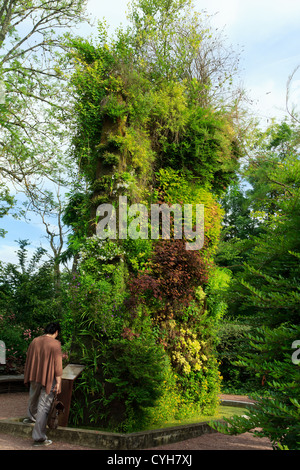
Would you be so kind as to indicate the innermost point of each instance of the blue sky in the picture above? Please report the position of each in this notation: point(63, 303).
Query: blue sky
point(268, 33)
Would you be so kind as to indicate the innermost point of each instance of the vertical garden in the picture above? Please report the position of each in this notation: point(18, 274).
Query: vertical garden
point(143, 314)
point(149, 114)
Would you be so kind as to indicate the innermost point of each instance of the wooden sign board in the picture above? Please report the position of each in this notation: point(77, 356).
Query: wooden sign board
point(70, 373)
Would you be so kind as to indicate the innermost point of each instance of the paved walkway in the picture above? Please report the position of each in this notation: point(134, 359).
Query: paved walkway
point(14, 405)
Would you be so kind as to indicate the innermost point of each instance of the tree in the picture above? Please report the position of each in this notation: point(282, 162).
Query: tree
point(32, 133)
point(276, 414)
point(290, 107)
point(49, 206)
point(7, 202)
point(269, 278)
point(28, 301)
point(180, 44)
point(141, 131)
point(267, 288)
point(237, 221)
point(27, 291)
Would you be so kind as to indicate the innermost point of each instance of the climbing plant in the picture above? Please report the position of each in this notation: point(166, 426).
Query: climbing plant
point(142, 131)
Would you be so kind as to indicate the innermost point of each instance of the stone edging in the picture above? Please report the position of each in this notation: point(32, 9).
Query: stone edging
point(117, 441)
point(112, 441)
point(237, 403)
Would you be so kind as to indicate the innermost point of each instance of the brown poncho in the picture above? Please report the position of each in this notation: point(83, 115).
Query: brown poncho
point(43, 361)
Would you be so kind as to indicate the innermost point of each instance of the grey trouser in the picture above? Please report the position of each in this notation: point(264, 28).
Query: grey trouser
point(38, 409)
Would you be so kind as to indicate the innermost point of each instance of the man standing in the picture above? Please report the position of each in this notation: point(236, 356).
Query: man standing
point(43, 370)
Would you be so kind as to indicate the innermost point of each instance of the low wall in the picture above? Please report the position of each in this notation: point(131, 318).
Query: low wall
point(112, 441)
point(12, 383)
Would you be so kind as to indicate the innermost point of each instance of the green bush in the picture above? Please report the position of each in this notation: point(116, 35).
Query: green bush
point(27, 290)
point(125, 366)
point(135, 369)
point(277, 412)
point(124, 374)
point(232, 344)
point(16, 339)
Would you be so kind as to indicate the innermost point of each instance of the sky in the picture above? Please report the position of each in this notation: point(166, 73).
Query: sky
point(267, 33)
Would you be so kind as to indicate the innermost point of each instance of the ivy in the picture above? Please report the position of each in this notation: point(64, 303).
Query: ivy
point(142, 131)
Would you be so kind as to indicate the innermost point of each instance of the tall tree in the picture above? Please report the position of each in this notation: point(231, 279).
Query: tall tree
point(33, 98)
point(266, 288)
point(49, 207)
point(142, 132)
point(180, 43)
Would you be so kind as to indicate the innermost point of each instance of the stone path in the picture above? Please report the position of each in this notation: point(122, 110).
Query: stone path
point(14, 405)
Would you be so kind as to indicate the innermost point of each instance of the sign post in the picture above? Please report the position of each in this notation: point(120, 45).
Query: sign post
point(70, 373)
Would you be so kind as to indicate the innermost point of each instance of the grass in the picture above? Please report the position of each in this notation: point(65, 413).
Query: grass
point(222, 412)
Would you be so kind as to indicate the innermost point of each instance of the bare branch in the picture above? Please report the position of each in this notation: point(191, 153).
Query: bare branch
point(288, 90)
point(7, 10)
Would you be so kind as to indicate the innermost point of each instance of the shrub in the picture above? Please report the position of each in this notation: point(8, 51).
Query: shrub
point(27, 290)
point(172, 278)
point(232, 344)
point(135, 369)
point(123, 377)
point(16, 339)
point(277, 413)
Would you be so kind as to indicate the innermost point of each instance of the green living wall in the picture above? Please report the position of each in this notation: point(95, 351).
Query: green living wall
point(143, 313)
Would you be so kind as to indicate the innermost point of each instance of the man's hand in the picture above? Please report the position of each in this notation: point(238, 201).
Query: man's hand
point(57, 387)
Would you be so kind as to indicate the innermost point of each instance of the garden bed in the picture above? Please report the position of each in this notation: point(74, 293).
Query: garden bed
point(225, 410)
point(97, 439)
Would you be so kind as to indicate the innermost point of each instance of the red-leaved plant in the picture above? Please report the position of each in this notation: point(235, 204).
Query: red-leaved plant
point(172, 278)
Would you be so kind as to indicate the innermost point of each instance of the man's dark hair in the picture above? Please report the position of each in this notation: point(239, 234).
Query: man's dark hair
point(52, 328)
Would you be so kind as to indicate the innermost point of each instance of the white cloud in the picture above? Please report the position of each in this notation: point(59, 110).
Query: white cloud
point(268, 101)
point(255, 20)
point(114, 11)
point(8, 253)
point(225, 13)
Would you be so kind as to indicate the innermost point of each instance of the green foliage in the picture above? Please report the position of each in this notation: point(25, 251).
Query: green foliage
point(205, 149)
point(27, 291)
point(129, 119)
point(33, 113)
point(265, 289)
point(137, 254)
point(172, 277)
point(266, 282)
point(97, 291)
point(28, 301)
point(237, 221)
point(135, 369)
point(187, 396)
point(142, 130)
point(277, 411)
point(232, 344)
point(180, 44)
point(216, 289)
point(117, 394)
point(16, 339)
point(124, 366)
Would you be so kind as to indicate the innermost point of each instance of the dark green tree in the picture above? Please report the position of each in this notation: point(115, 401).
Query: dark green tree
point(268, 290)
point(27, 291)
